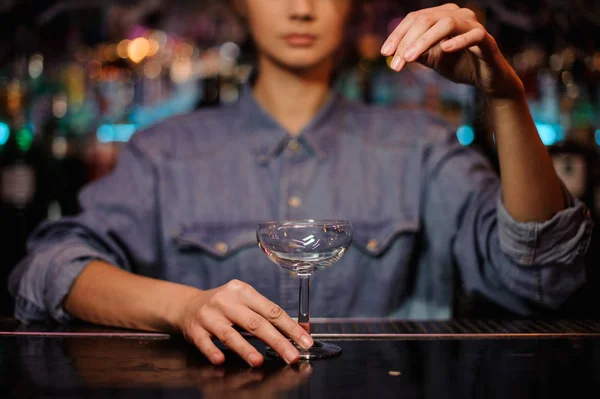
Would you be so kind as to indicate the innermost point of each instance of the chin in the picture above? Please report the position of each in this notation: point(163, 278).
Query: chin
point(302, 61)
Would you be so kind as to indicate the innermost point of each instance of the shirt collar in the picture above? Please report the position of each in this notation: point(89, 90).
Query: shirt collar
point(269, 138)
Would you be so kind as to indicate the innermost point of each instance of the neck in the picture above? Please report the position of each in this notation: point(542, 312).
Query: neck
point(292, 98)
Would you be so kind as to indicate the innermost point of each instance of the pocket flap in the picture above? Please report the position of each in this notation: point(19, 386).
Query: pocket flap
point(218, 240)
point(376, 238)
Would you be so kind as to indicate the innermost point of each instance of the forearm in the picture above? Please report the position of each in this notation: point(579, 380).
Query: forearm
point(104, 294)
point(531, 189)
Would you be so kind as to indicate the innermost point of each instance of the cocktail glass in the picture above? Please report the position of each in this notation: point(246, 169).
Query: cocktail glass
point(304, 246)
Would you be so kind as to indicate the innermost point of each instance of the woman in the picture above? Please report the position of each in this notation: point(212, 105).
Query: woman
point(167, 242)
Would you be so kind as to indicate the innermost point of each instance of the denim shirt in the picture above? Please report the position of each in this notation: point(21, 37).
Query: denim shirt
point(186, 195)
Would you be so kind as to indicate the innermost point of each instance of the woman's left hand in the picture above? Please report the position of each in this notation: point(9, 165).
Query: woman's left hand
point(451, 40)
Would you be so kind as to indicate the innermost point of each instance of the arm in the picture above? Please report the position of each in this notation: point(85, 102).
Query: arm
point(108, 295)
point(105, 294)
point(103, 267)
point(450, 40)
point(526, 267)
point(118, 226)
point(523, 250)
point(531, 190)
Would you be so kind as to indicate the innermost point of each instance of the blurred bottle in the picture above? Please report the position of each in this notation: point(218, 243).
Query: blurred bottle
point(23, 202)
point(65, 170)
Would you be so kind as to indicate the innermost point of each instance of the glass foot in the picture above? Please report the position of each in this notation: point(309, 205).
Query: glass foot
point(320, 350)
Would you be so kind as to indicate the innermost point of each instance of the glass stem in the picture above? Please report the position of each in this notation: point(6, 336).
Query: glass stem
point(304, 302)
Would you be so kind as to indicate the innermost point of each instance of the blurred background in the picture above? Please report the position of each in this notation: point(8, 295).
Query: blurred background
point(79, 77)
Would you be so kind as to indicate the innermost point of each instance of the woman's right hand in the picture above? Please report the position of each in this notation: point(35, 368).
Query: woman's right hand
point(213, 313)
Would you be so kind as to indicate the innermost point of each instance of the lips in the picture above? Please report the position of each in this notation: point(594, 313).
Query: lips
point(300, 39)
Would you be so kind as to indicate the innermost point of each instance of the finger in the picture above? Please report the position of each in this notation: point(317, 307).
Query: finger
point(391, 44)
point(261, 328)
point(277, 317)
point(438, 32)
point(443, 7)
point(418, 28)
point(202, 340)
point(234, 341)
point(422, 24)
point(477, 40)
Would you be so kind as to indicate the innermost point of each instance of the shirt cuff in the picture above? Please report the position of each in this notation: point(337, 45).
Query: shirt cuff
point(65, 269)
point(560, 240)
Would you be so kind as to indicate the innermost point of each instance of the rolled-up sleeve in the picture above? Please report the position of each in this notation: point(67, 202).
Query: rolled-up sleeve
point(562, 239)
point(524, 267)
point(39, 299)
point(117, 225)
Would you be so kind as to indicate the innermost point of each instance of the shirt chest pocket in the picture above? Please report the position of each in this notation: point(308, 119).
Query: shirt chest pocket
point(373, 276)
point(219, 241)
point(208, 255)
point(369, 280)
point(375, 239)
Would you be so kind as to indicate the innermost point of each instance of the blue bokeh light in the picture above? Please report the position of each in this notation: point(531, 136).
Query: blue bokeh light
point(597, 136)
point(4, 133)
point(465, 135)
point(550, 134)
point(115, 133)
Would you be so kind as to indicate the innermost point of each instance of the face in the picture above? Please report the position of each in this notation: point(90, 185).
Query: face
point(297, 34)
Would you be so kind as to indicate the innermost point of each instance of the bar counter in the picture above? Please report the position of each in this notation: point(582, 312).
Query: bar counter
point(380, 359)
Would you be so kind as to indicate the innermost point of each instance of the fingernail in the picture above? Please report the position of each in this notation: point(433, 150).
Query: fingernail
point(410, 54)
point(215, 359)
point(387, 48)
point(290, 355)
point(254, 359)
point(396, 62)
point(306, 341)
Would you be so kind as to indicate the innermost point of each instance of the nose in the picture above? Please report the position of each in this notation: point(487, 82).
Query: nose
point(301, 10)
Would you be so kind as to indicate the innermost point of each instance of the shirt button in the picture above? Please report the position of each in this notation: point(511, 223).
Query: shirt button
point(295, 202)
point(293, 146)
point(221, 247)
point(372, 245)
